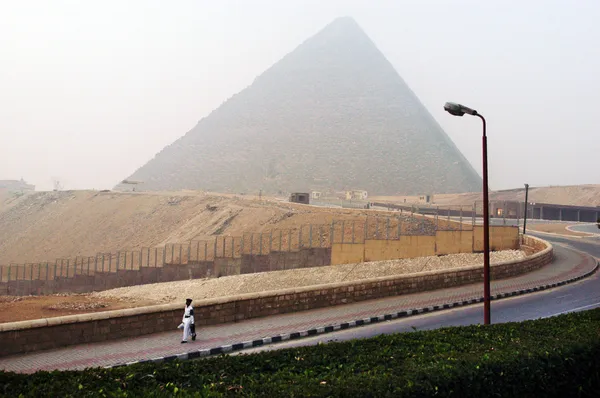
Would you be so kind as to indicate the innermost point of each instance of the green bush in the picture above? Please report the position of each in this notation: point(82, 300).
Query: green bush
point(555, 357)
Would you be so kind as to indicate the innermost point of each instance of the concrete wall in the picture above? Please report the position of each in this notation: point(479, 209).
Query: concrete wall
point(410, 246)
point(407, 246)
point(27, 336)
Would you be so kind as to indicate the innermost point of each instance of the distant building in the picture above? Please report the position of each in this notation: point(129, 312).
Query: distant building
point(16, 186)
point(421, 199)
point(300, 197)
point(356, 195)
point(315, 195)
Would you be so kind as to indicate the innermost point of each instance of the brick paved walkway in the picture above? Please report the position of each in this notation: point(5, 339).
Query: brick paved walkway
point(567, 264)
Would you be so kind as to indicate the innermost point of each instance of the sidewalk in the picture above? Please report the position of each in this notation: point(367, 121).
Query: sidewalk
point(568, 265)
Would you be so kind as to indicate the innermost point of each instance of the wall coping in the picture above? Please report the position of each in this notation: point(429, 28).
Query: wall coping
point(96, 316)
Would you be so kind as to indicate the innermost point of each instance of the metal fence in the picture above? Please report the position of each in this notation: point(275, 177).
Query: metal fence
point(250, 243)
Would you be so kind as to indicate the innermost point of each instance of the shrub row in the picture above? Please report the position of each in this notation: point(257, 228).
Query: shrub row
point(555, 357)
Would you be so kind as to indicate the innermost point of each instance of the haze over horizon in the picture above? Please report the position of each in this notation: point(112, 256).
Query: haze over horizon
point(91, 91)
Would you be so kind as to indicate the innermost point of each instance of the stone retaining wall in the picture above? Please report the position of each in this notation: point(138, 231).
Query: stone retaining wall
point(27, 336)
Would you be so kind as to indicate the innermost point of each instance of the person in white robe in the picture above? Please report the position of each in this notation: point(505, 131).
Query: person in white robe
point(189, 327)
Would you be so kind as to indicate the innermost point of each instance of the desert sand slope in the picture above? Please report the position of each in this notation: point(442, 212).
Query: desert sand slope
point(43, 226)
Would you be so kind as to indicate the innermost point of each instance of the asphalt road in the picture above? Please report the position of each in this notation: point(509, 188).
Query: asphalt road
point(578, 296)
point(589, 228)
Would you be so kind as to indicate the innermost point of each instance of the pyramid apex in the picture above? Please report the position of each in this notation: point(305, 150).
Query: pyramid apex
point(346, 23)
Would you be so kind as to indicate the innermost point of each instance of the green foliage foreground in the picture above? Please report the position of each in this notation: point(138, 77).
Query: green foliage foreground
point(556, 357)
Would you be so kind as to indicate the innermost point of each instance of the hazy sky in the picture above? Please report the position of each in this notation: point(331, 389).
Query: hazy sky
point(91, 90)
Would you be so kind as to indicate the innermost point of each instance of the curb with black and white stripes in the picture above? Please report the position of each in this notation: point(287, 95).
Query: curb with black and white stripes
point(346, 325)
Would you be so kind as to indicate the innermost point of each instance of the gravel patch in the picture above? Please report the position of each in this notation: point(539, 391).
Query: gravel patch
point(169, 292)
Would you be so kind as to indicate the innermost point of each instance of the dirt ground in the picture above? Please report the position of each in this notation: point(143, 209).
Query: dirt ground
point(555, 229)
point(16, 308)
point(45, 226)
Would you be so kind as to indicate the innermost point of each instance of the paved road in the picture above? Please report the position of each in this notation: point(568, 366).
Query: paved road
point(589, 228)
point(578, 296)
point(568, 264)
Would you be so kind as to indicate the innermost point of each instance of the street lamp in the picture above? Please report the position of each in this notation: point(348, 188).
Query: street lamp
point(459, 110)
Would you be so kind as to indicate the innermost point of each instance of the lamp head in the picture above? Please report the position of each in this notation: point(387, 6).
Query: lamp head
point(458, 109)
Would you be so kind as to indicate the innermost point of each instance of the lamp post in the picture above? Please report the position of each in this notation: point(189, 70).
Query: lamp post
point(526, 201)
point(460, 110)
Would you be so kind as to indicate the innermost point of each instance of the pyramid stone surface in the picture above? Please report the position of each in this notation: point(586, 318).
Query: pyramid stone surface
point(332, 114)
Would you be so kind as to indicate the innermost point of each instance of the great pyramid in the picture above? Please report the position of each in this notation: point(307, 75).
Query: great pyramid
point(332, 114)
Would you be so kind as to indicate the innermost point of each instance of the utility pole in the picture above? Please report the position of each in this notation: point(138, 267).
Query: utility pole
point(525, 215)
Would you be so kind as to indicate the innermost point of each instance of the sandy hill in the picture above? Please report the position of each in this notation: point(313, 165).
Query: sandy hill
point(576, 195)
point(43, 226)
point(332, 114)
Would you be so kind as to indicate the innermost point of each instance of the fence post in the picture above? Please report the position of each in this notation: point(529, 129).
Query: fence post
point(260, 244)
point(353, 229)
point(155, 256)
point(31, 271)
point(310, 236)
point(125, 261)
point(270, 241)
point(189, 254)
point(280, 238)
point(224, 244)
point(109, 262)
point(118, 259)
point(387, 229)
point(366, 229)
point(233, 247)
point(300, 237)
point(331, 232)
point(164, 262)
point(205, 251)
point(343, 230)
point(180, 254)
point(399, 227)
point(68, 266)
point(320, 235)
point(39, 271)
point(376, 228)
point(461, 217)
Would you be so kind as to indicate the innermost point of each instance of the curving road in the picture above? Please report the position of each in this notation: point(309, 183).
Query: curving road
point(587, 228)
point(578, 296)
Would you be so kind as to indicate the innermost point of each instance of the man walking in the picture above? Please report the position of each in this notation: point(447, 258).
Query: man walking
point(189, 328)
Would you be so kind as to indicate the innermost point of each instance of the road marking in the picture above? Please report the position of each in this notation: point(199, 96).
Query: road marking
point(566, 295)
point(574, 309)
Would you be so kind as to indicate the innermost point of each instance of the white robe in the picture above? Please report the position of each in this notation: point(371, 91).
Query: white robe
point(187, 322)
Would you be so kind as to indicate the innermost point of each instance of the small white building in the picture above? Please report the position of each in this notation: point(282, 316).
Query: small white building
point(356, 195)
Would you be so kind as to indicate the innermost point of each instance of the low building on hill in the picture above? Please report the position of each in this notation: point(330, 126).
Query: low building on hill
point(356, 195)
point(300, 197)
